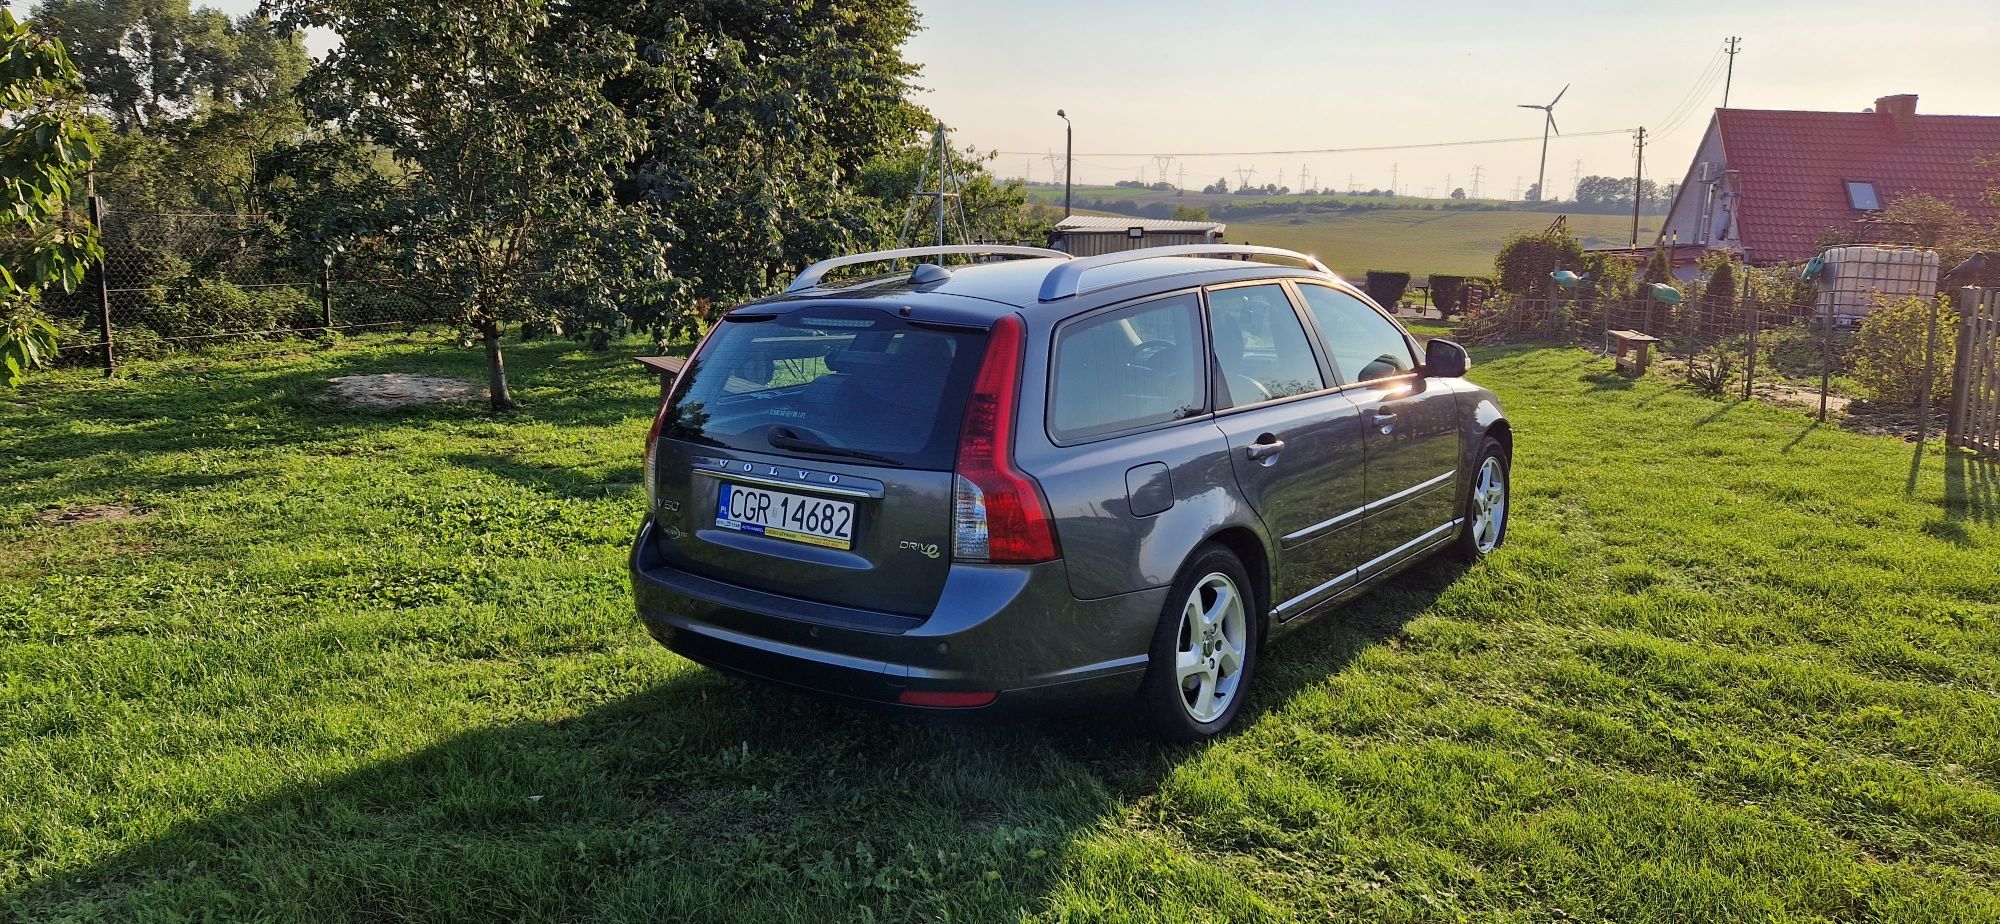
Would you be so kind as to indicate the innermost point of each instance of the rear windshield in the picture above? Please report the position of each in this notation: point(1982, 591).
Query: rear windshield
point(833, 382)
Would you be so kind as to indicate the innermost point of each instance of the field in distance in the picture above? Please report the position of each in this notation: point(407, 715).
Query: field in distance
point(1397, 234)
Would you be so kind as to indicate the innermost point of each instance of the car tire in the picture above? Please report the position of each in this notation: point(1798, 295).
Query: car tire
point(1487, 502)
point(1204, 651)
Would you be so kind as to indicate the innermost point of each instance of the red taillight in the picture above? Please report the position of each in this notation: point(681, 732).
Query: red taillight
point(946, 699)
point(998, 512)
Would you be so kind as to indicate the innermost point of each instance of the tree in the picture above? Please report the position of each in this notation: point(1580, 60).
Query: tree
point(1524, 263)
point(760, 118)
point(1534, 193)
point(1927, 221)
point(46, 147)
point(1458, 192)
point(144, 61)
point(1187, 213)
point(506, 209)
point(1217, 188)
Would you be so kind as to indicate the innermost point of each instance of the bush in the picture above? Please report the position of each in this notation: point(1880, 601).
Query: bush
point(1888, 351)
point(1526, 260)
point(211, 308)
point(1387, 288)
point(1446, 293)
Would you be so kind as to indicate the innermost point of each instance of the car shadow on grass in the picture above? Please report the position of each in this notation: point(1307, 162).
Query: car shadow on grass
point(703, 797)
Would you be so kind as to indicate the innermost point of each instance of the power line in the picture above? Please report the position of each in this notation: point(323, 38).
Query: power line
point(1357, 150)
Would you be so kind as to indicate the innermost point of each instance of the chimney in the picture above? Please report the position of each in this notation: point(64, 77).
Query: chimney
point(1901, 112)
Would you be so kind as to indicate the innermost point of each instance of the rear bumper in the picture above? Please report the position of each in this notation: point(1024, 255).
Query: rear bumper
point(1014, 630)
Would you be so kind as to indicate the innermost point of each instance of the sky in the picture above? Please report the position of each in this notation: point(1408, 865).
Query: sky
point(1147, 78)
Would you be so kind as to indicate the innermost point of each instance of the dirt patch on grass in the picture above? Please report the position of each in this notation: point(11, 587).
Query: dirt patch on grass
point(401, 389)
point(90, 513)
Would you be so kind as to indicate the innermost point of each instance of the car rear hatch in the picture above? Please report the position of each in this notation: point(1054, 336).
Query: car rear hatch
point(808, 451)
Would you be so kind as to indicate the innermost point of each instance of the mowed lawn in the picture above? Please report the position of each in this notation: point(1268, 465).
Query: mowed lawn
point(350, 664)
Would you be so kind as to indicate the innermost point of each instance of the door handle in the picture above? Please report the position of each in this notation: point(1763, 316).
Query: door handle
point(1384, 421)
point(1264, 448)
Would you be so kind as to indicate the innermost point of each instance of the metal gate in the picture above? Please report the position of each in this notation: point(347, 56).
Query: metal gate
point(1975, 380)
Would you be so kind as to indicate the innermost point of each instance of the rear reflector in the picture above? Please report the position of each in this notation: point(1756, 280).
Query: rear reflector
point(947, 699)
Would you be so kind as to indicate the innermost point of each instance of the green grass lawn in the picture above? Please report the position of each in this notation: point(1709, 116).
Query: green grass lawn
point(381, 664)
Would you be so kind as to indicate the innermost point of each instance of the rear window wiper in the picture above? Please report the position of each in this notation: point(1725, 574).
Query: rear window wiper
point(785, 438)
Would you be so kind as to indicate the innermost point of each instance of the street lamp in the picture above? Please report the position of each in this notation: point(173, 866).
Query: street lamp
point(1069, 141)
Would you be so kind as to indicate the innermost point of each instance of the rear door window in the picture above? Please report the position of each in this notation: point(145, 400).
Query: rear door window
point(861, 383)
point(1127, 368)
point(1364, 345)
point(1261, 351)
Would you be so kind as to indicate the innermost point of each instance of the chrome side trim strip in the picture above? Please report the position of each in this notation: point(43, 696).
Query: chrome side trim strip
point(1324, 525)
point(1370, 507)
point(1370, 565)
point(1404, 494)
point(788, 485)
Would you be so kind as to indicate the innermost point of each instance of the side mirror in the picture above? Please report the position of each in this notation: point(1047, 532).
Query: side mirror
point(1444, 359)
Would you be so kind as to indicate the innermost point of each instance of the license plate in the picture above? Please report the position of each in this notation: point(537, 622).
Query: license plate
point(784, 515)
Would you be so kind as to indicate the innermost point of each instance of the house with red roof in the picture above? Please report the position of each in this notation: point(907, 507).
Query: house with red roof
point(1771, 184)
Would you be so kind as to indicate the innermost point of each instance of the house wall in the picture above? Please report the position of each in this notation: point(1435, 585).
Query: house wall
point(1685, 221)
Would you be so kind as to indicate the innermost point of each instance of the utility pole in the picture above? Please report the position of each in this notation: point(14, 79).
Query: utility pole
point(1638, 185)
point(1731, 49)
point(1181, 184)
point(1069, 154)
point(1477, 172)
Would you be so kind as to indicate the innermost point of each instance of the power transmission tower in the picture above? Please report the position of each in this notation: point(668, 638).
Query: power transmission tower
point(1517, 188)
point(943, 194)
point(1350, 184)
point(1575, 179)
point(1160, 163)
point(1305, 181)
point(1395, 170)
point(1181, 183)
point(1477, 173)
point(1731, 49)
point(1428, 190)
point(1055, 174)
point(1638, 184)
point(1243, 175)
point(1447, 184)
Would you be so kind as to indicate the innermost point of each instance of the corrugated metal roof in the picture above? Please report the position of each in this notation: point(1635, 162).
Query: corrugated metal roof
point(1792, 167)
point(1122, 223)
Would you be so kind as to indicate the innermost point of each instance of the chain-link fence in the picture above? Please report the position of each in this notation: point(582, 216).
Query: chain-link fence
point(176, 281)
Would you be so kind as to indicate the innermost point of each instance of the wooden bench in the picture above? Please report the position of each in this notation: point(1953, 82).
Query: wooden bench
point(1634, 350)
point(666, 367)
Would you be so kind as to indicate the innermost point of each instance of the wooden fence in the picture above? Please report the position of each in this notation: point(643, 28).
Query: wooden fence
point(1975, 381)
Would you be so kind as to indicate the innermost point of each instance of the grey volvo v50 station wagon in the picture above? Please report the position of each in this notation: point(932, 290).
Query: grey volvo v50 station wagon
point(1051, 479)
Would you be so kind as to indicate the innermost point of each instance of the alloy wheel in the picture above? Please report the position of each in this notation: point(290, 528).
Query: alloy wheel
point(1213, 645)
point(1489, 504)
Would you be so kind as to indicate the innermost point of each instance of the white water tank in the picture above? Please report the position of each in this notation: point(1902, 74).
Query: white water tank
point(1852, 278)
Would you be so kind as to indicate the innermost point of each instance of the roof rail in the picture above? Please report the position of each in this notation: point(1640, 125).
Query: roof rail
point(810, 279)
point(1066, 279)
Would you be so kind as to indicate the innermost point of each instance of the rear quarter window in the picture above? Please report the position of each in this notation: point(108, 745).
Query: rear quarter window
point(850, 378)
point(1126, 368)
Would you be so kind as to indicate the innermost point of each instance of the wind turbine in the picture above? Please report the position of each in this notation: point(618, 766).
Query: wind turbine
point(1548, 125)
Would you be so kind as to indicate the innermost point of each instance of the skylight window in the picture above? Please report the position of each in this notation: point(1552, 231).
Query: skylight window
point(1861, 195)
